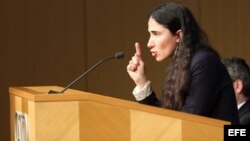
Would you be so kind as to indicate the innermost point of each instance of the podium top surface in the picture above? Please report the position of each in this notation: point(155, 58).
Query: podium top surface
point(40, 94)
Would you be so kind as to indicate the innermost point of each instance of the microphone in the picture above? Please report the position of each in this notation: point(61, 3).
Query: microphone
point(118, 55)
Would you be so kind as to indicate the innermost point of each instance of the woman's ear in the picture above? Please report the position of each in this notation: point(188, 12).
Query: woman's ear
point(179, 35)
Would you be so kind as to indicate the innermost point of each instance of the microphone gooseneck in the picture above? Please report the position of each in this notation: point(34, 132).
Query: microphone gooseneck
point(117, 55)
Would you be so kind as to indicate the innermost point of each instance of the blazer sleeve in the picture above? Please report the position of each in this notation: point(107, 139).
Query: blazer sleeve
point(151, 100)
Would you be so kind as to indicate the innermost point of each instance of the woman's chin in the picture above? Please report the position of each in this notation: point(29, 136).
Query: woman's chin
point(158, 59)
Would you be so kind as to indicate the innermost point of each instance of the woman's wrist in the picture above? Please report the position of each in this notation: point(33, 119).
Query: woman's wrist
point(142, 93)
point(142, 83)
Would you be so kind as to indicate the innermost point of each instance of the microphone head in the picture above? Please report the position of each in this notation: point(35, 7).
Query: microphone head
point(119, 55)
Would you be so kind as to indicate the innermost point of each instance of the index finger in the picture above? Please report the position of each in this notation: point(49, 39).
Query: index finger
point(137, 49)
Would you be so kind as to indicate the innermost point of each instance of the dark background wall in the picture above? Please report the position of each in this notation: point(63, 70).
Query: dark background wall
point(51, 42)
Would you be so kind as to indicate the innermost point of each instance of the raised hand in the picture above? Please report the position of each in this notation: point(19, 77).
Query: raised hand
point(136, 68)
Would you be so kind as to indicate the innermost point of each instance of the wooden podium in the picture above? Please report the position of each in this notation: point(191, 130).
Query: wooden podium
point(82, 116)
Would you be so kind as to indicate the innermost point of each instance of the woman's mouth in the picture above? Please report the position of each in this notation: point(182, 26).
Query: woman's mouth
point(153, 54)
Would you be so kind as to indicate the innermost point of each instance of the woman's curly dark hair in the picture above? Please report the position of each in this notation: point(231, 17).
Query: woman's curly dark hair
point(176, 17)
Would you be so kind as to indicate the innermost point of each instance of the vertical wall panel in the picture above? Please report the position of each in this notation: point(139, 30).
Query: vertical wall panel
point(41, 43)
point(227, 24)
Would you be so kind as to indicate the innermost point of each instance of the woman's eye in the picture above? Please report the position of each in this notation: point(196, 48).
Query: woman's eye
point(156, 33)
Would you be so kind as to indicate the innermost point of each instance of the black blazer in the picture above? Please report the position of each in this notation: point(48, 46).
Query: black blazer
point(244, 113)
point(211, 91)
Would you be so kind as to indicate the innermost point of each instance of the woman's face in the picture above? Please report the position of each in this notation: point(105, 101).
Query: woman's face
point(162, 43)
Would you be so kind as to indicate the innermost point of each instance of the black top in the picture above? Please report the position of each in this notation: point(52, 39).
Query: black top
point(244, 113)
point(211, 92)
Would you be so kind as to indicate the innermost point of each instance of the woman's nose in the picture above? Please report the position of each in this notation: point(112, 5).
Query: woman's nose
point(150, 43)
